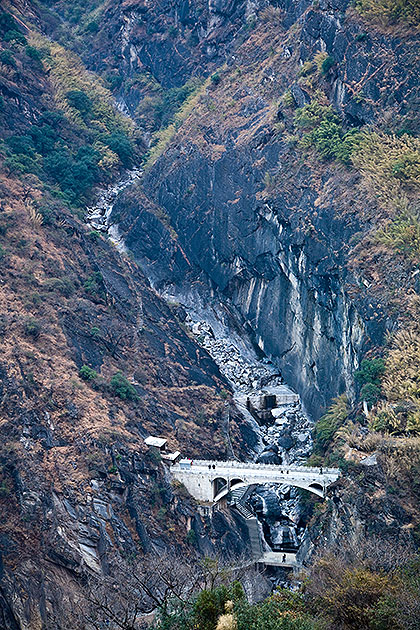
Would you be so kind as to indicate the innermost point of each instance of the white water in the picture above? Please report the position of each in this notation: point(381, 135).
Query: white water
point(98, 217)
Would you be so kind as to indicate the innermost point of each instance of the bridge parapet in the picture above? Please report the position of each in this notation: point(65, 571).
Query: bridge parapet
point(252, 465)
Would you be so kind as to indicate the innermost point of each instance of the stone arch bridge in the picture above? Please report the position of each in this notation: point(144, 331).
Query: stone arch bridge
point(210, 481)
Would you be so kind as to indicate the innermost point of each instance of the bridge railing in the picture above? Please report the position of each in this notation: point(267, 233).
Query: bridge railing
point(252, 465)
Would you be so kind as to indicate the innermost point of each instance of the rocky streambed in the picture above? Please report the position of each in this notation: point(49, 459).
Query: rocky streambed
point(98, 217)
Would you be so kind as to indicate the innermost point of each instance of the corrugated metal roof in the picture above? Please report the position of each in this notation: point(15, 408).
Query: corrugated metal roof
point(155, 441)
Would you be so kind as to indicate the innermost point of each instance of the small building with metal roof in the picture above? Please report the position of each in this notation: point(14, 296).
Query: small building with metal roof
point(156, 442)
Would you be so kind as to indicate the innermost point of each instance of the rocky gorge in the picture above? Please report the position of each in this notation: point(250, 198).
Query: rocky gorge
point(208, 233)
point(284, 437)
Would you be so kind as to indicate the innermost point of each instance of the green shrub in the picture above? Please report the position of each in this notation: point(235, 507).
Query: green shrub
point(325, 132)
point(21, 145)
point(327, 64)
point(216, 78)
point(80, 101)
point(370, 393)
point(92, 27)
point(95, 332)
point(281, 611)
point(64, 286)
point(331, 421)
point(52, 118)
point(208, 606)
point(15, 36)
point(94, 285)
point(7, 58)
point(119, 143)
point(370, 371)
point(14, 165)
point(75, 174)
point(114, 81)
point(87, 373)
point(7, 22)
point(288, 99)
point(122, 387)
point(311, 115)
point(33, 53)
point(32, 327)
point(95, 236)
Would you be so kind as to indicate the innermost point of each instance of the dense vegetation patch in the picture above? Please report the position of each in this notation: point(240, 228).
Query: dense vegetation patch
point(82, 141)
point(327, 426)
point(323, 130)
point(372, 588)
point(391, 11)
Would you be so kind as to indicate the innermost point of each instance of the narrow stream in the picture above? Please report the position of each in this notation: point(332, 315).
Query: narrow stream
point(273, 411)
point(98, 217)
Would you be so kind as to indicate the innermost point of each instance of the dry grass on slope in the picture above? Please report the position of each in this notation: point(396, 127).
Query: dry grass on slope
point(45, 272)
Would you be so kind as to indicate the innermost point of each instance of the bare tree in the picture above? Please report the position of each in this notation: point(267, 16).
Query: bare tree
point(125, 600)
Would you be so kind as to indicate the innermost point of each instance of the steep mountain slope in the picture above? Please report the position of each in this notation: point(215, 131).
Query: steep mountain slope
point(92, 360)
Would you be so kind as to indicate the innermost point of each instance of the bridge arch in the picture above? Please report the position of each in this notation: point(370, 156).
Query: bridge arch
point(226, 489)
point(316, 486)
point(222, 490)
point(219, 484)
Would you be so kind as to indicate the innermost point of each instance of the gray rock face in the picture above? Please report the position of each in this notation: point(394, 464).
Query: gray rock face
point(280, 260)
point(287, 285)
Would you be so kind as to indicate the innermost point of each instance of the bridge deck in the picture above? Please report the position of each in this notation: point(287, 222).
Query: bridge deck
point(260, 473)
point(279, 559)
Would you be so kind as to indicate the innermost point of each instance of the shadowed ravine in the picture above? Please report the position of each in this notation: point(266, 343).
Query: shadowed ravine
point(285, 438)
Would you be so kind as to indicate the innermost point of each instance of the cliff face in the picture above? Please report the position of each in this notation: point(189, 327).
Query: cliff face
point(373, 509)
point(287, 285)
point(272, 229)
point(142, 45)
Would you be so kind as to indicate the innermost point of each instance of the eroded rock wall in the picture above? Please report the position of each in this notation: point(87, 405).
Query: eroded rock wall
point(232, 202)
